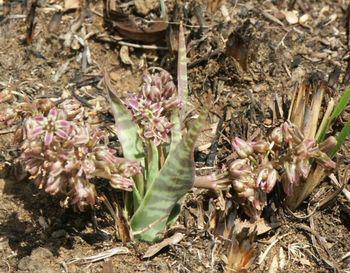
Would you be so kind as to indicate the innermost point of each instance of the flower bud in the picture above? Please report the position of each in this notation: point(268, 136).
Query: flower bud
point(239, 168)
point(146, 78)
point(169, 89)
point(329, 144)
point(267, 179)
point(277, 136)
point(304, 148)
point(303, 167)
point(260, 146)
point(157, 82)
point(291, 172)
point(324, 160)
point(243, 148)
point(292, 133)
point(165, 76)
point(238, 185)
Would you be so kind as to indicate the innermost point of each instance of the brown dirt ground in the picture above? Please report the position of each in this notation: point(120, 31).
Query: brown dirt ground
point(37, 235)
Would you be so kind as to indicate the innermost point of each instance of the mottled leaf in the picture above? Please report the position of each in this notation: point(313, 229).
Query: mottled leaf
point(175, 179)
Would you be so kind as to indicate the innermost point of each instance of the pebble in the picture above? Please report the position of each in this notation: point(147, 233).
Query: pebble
point(58, 233)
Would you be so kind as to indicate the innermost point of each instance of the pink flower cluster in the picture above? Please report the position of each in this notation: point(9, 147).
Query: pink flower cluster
point(153, 106)
point(286, 157)
point(62, 154)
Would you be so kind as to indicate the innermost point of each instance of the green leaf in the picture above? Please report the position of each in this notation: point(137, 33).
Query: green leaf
point(152, 164)
point(176, 130)
point(175, 179)
point(341, 138)
point(339, 108)
point(127, 130)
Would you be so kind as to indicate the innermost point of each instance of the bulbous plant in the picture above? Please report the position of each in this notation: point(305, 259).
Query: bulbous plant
point(286, 157)
point(297, 153)
point(149, 130)
point(62, 154)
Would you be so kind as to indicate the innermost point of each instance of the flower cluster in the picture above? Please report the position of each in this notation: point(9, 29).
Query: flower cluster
point(62, 154)
point(287, 157)
point(153, 106)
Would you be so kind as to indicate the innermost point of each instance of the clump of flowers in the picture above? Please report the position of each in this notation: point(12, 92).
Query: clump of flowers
point(152, 107)
point(287, 156)
point(62, 154)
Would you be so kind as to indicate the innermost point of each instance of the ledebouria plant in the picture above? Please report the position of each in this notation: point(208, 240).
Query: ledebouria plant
point(149, 129)
point(286, 156)
point(63, 154)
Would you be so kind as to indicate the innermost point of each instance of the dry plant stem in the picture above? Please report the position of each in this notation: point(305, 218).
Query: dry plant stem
point(306, 117)
point(305, 189)
point(312, 114)
point(297, 109)
point(326, 117)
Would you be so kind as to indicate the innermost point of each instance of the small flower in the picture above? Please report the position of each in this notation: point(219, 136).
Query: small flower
point(303, 167)
point(53, 124)
point(269, 182)
point(291, 172)
point(329, 144)
point(120, 182)
point(277, 136)
point(82, 194)
point(243, 148)
point(260, 146)
point(239, 168)
point(291, 134)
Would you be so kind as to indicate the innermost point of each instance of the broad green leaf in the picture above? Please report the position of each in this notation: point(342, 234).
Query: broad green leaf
point(127, 130)
point(341, 138)
point(175, 179)
point(176, 130)
point(339, 108)
point(152, 163)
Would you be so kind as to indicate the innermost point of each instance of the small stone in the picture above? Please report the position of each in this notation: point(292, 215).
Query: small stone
point(304, 18)
point(143, 7)
point(42, 253)
point(114, 76)
point(291, 17)
point(24, 263)
point(58, 233)
point(39, 261)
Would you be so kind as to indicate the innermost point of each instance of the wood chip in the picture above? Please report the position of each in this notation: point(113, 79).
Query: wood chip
point(154, 249)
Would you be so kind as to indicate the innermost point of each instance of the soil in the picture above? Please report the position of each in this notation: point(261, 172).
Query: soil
point(38, 235)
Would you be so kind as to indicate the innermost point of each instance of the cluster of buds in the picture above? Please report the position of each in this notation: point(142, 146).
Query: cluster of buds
point(62, 153)
point(286, 157)
point(295, 154)
point(152, 107)
point(252, 175)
